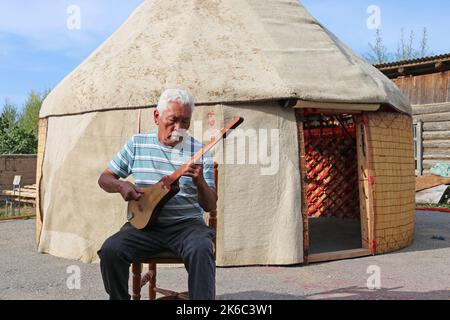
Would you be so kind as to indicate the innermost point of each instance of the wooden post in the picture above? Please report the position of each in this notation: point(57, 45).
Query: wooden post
point(419, 150)
point(368, 181)
point(364, 203)
point(212, 219)
point(138, 124)
point(136, 270)
point(303, 184)
point(42, 138)
point(152, 282)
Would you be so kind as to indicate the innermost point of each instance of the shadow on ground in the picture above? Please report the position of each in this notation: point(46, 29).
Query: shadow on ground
point(349, 293)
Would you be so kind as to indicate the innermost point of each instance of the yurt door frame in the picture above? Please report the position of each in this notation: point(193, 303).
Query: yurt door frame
point(365, 182)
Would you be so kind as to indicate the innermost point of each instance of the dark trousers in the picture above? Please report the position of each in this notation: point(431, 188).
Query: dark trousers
point(191, 240)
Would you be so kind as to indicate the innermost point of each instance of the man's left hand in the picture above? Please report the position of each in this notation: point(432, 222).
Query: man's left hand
point(195, 171)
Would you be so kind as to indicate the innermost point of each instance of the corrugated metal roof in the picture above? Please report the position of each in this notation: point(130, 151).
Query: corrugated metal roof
point(423, 60)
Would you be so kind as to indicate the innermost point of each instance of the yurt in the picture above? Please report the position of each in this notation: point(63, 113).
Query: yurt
point(328, 170)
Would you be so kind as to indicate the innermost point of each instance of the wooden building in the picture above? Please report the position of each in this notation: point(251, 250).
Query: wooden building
point(426, 82)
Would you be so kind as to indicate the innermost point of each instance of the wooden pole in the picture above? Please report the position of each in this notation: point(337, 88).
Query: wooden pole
point(303, 184)
point(42, 138)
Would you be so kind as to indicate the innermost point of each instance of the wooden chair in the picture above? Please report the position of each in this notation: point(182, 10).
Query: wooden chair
point(166, 257)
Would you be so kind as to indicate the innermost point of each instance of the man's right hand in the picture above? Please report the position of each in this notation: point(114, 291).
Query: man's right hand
point(129, 191)
point(111, 183)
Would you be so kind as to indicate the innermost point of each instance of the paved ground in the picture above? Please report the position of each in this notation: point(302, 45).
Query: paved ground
point(418, 272)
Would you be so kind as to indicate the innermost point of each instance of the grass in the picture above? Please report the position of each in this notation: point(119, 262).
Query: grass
point(23, 210)
point(431, 205)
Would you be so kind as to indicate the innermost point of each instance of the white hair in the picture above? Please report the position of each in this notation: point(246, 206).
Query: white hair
point(175, 95)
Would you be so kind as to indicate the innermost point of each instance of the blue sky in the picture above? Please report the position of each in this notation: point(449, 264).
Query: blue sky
point(37, 49)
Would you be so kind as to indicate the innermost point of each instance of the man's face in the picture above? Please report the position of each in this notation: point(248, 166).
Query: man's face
point(174, 118)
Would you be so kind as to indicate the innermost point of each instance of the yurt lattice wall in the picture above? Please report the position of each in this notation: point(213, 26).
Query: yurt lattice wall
point(331, 166)
point(391, 149)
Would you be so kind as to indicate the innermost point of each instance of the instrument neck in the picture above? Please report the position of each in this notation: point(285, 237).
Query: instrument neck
point(222, 134)
point(183, 168)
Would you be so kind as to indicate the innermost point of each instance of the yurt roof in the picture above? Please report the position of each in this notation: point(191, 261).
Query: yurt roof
point(222, 51)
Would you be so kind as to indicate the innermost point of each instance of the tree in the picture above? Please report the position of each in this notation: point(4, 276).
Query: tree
point(29, 120)
point(424, 48)
point(9, 116)
point(379, 53)
point(17, 141)
point(405, 48)
point(19, 132)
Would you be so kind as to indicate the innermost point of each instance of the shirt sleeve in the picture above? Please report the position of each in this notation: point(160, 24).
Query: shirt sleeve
point(122, 164)
point(208, 170)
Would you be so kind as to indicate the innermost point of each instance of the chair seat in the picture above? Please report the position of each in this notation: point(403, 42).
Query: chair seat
point(163, 256)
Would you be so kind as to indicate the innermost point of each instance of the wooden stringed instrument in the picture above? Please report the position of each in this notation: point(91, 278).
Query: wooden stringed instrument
point(143, 212)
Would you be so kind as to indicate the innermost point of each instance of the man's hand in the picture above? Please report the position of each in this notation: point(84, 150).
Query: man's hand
point(129, 191)
point(207, 197)
point(111, 183)
point(195, 171)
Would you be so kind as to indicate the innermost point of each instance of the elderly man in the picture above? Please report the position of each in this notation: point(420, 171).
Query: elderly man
point(180, 226)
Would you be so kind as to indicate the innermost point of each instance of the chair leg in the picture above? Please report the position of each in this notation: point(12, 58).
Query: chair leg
point(137, 270)
point(152, 282)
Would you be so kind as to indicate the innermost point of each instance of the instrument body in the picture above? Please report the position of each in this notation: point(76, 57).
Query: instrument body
point(142, 213)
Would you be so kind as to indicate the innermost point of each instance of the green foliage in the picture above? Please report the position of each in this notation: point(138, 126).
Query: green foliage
point(19, 132)
point(406, 49)
point(432, 205)
point(9, 116)
point(17, 141)
point(30, 116)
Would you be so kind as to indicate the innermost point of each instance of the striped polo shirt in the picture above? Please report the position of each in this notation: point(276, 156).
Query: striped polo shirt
point(148, 161)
